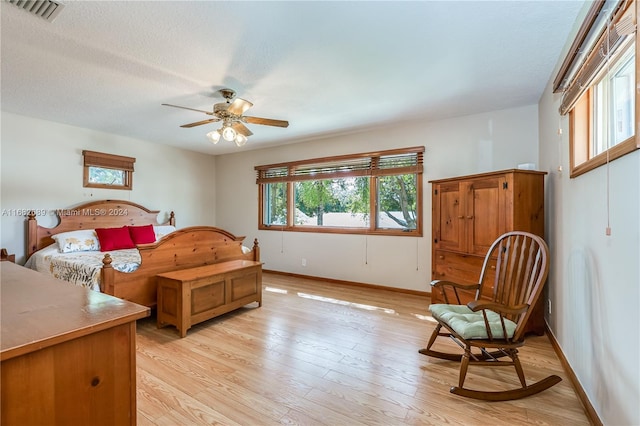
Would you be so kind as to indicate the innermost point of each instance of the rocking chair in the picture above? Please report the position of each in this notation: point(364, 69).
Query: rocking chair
point(489, 329)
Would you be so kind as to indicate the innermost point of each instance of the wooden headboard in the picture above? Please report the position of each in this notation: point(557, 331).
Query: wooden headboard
point(96, 214)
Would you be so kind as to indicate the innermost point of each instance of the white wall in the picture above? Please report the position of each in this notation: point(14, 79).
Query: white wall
point(465, 145)
point(594, 283)
point(42, 169)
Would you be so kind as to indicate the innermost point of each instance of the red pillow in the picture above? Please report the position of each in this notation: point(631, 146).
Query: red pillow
point(114, 238)
point(142, 234)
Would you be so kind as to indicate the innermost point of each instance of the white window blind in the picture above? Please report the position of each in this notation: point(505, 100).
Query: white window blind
point(609, 24)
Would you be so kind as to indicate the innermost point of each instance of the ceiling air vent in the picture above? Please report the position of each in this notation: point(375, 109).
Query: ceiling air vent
point(45, 9)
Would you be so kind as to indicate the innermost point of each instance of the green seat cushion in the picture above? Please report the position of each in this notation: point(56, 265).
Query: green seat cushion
point(470, 325)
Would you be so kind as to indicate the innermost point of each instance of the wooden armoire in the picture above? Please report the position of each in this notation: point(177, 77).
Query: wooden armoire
point(470, 212)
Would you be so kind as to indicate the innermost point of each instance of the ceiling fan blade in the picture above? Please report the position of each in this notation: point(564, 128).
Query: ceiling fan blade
point(191, 109)
point(200, 123)
point(241, 128)
point(266, 121)
point(239, 106)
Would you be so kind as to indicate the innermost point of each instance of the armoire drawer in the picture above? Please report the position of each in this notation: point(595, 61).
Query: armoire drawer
point(462, 269)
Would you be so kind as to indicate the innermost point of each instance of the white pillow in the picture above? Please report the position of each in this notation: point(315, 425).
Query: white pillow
point(162, 230)
point(81, 240)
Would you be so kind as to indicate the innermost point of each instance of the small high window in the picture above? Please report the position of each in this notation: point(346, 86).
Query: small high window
point(110, 171)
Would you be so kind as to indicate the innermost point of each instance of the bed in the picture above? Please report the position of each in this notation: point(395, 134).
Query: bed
point(129, 274)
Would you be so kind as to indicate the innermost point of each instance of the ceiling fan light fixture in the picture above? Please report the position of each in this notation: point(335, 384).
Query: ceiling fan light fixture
point(214, 136)
point(229, 134)
point(230, 114)
point(241, 139)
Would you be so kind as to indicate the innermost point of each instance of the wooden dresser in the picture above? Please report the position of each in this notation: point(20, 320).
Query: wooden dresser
point(470, 212)
point(68, 353)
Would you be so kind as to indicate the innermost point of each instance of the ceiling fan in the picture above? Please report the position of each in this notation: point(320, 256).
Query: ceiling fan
point(231, 115)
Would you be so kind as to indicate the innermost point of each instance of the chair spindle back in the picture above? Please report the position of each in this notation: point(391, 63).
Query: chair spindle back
point(521, 270)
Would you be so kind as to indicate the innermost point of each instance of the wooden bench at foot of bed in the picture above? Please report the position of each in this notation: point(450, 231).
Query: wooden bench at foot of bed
point(190, 296)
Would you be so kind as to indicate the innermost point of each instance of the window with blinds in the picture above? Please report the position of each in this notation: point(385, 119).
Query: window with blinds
point(376, 193)
point(598, 81)
point(109, 171)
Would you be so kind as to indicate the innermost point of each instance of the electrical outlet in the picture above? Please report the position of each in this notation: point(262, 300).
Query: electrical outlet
point(304, 262)
point(549, 306)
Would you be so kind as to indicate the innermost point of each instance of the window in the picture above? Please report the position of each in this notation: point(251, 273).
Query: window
point(613, 104)
point(107, 170)
point(370, 193)
point(600, 87)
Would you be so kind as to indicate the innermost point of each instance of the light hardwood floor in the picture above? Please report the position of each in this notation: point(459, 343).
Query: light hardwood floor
point(318, 353)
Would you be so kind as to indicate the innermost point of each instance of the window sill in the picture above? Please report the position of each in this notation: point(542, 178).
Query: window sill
point(615, 152)
point(356, 231)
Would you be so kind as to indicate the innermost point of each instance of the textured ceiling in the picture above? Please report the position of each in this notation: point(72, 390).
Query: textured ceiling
point(326, 67)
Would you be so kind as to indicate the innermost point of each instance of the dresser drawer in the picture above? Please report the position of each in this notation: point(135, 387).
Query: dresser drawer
point(462, 269)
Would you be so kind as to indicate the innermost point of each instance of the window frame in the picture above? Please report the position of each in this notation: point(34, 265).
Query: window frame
point(581, 138)
point(286, 173)
point(577, 80)
point(107, 161)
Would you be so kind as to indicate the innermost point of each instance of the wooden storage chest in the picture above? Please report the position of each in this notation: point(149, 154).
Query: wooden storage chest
point(189, 296)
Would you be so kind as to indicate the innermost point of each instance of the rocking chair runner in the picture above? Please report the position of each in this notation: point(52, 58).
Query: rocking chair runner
point(489, 329)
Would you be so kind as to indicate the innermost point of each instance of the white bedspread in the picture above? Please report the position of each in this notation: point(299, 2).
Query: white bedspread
point(81, 268)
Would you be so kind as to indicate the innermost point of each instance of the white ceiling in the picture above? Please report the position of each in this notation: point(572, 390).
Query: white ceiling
point(326, 67)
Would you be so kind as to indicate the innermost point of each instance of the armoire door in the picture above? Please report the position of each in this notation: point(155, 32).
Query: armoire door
point(485, 212)
point(448, 217)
